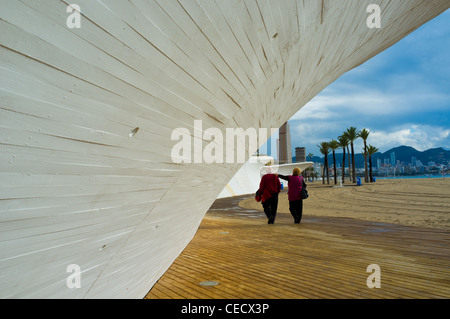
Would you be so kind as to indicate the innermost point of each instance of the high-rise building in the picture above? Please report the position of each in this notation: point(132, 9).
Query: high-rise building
point(285, 152)
point(392, 159)
point(288, 143)
point(300, 154)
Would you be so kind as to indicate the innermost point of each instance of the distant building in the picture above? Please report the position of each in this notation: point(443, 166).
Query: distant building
point(300, 154)
point(392, 159)
point(419, 164)
point(284, 146)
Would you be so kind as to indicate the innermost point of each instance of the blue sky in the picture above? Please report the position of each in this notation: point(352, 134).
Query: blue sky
point(401, 95)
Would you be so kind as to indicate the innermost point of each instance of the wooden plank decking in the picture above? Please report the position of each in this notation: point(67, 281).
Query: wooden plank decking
point(320, 258)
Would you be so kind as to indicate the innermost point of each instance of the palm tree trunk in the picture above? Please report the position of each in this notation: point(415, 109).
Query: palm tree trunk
point(334, 168)
point(343, 166)
point(323, 173)
point(366, 178)
point(328, 172)
point(370, 172)
point(353, 163)
point(349, 165)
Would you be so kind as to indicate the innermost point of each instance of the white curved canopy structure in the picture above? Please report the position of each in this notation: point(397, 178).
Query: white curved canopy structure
point(246, 180)
point(87, 116)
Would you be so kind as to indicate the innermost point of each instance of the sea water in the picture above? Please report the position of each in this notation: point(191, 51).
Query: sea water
point(413, 176)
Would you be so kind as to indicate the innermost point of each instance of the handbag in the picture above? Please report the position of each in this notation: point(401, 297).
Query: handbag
point(304, 193)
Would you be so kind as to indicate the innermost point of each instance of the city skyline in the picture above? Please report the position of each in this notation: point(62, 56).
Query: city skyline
point(402, 160)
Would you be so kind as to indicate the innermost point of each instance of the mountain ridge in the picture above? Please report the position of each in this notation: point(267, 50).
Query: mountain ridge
point(403, 153)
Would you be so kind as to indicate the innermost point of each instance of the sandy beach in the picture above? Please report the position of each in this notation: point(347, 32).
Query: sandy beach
point(413, 202)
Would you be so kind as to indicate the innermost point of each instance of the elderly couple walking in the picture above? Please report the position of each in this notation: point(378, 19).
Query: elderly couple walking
point(270, 187)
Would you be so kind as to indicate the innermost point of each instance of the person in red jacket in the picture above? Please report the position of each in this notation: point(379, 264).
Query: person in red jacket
point(269, 188)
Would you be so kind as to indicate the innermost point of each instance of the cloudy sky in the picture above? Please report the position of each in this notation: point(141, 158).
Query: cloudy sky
point(402, 96)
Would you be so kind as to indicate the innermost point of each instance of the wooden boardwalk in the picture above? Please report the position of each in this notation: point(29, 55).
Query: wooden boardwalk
point(322, 257)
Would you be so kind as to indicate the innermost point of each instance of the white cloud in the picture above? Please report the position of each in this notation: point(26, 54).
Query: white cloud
point(313, 133)
point(421, 137)
point(360, 101)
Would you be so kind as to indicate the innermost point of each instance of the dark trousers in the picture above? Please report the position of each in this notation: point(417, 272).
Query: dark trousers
point(296, 209)
point(270, 207)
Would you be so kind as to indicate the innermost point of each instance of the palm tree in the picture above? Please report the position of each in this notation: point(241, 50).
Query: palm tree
point(345, 135)
point(324, 148)
point(310, 155)
point(371, 150)
point(364, 153)
point(343, 142)
point(352, 135)
point(364, 134)
point(334, 145)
